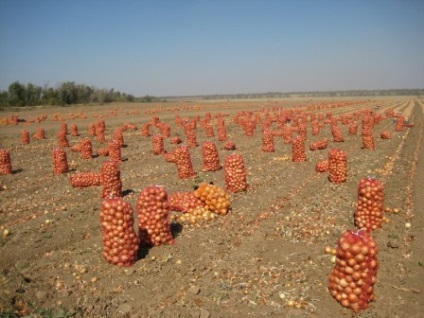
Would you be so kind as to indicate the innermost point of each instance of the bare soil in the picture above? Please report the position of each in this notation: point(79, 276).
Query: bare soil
point(264, 259)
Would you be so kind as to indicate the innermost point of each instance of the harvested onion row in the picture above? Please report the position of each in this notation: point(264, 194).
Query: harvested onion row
point(60, 162)
point(370, 204)
point(153, 217)
point(120, 241)
point(235, 173)
point(215, 199)
point(355, 273)
point(337, 166)
point(5, 162)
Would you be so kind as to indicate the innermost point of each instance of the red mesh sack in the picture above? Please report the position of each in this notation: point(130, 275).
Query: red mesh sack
point(114, 150)
point(318, 145)
point(385, 134)
point(370, 204)
point(24, 137)
point(60, 162)
point(157, 143)
point(400, 123)
point(5, 163)
point(85, 179)
point(111, 179)
point(119, 137)
point(337, 166)
point(103, 152)
point(175, 140)
point(268, 141)
point(40, 134)
point(184, 164)
point(210, 156)
point(62, 140)
point(235, 173)
point(337, 133)
point(230, 145)
point(352, 280)
point(368, 142)
point(184, 201)
point(298, 149)
point(74, 130)
point(153, 217)
point(353, 128)
point(321, 166)
point(86, 151)
point(316, 127)
point(191, 136)
point(119, 239)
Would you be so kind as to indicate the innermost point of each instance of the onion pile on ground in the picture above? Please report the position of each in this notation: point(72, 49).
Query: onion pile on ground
point(215, 199)
point(355, 273)
point(120, 241)
point(184, 201)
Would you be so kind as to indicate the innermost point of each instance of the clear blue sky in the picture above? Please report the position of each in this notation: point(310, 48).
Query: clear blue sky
point(172, 47)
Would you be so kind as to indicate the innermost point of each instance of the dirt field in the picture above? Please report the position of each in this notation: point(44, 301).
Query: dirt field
point(264, 259)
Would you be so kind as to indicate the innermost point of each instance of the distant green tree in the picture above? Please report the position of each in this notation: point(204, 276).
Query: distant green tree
point(68, 93)
point(16, 94)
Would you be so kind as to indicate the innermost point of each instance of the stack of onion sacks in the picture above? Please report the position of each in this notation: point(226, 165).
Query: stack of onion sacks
point(210, 156)
point(298, 149)
point(337, 166)
point(215, 199)
point(60, 162)
point(370, 204)
point(5, 162)
point(235, 173)
point(120, 241)
point(355, 273)
point(153, 217)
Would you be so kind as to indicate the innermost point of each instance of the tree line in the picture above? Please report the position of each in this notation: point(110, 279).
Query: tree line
point(67, 93)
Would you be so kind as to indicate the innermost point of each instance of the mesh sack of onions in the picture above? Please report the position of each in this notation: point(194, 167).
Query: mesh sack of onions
point(298, 149)
point(184, 164)
point(235, 173)
point(337, 133)
point(368, 141)
point(118, 136)
point(85, 179)
point(120, 240)
point(100, 136)
point(184, 201)
point(196, 217)
point(24, 137)
point(169, 156)
point(191, 138)
point(400, 123)
point(337, 166)
point(62, 140)
point(353, 128)
point(321, 166)
point(157, 144)
point(268, 141)
point(114, 150)
point(287, 134)
point(76, 147)
point(215, 199)
point(222, 131)
point(316, 127)
point(103, 152)
point(130, 126)
point(40, 134)
point(60, 162)
point(369, 206)
point(74, 130)
point(153, 217)
point(164, 129)
point(318, 145)
point(175, 140)
point(86, 151)
point(230, 145)
point(210, 156)
point(145, 130)
point(92, 129)
point(111, 179)
point(352, 280)
point(209, 130)
point(302, 131)
point(5, 162)
point(385, 134)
